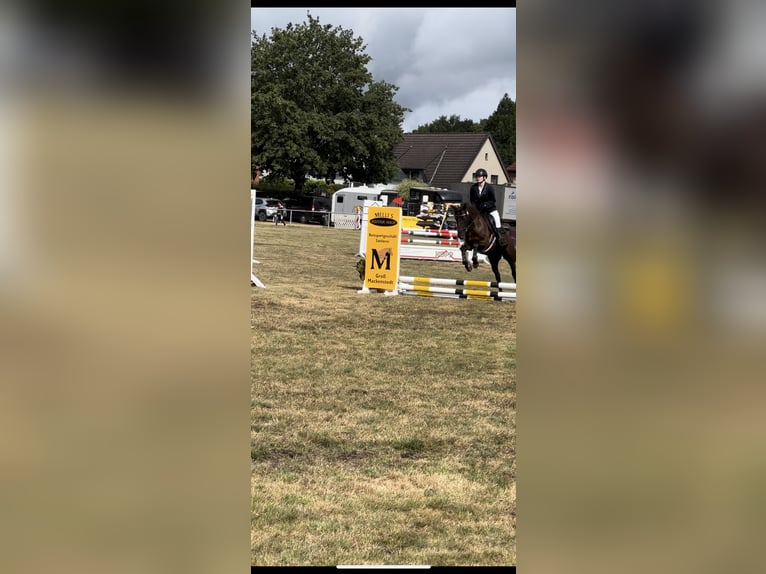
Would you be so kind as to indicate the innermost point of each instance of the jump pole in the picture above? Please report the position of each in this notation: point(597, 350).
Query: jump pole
point(458, 282)
point(428, 291)
point(457, 288)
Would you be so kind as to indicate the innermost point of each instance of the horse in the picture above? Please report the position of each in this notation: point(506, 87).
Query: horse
point(475, 234)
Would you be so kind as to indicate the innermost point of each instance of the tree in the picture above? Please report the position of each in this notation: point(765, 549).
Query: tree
point(315, 108)
point(443, 125)
point(502, 125)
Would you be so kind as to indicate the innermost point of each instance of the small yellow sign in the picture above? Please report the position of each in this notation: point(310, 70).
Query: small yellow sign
point(384, 232)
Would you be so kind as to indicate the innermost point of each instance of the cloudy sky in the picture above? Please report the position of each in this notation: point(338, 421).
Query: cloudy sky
point(445, 61)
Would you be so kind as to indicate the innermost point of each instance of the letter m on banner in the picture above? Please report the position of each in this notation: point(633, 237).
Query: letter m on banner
point(377, 263)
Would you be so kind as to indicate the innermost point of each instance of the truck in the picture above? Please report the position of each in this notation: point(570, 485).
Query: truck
point(308, 209)
point(433, 196)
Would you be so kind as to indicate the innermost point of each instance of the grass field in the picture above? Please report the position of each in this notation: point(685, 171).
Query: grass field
point(383, 429)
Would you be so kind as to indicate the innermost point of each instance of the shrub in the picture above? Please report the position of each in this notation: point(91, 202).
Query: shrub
point(404, 187)
point(317, 187)
point(275, 186)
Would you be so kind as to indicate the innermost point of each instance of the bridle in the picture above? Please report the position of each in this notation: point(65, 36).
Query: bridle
point(464, 217)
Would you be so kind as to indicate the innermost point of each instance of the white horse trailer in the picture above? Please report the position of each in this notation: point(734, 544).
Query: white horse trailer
point(347, 204)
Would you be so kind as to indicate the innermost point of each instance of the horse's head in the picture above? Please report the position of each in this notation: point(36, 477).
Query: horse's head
point(463, 220)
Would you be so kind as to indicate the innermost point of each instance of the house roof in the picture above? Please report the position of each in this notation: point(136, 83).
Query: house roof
point(444, 158)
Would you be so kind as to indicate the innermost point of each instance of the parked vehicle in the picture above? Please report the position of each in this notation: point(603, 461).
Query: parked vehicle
point(265, 207)
point(444, 197)
point(308, 209)
point(394, 199)
point(347, 201)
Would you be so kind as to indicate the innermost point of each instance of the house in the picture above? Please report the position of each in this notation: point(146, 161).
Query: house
point(449, 160)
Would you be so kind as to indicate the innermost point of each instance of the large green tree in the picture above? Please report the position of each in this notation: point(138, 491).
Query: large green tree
point(502, 125)
point(316, 110)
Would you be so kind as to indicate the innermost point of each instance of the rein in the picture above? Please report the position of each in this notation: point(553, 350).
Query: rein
point(464, 215)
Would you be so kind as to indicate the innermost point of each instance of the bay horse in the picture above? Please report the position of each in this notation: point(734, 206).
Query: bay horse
point(475, 234)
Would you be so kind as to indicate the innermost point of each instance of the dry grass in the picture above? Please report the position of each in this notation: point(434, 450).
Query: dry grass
point(383, 428)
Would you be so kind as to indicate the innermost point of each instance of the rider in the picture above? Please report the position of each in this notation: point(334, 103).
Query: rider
point(482, 195)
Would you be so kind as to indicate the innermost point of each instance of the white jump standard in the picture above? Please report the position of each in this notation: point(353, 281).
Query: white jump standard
point(254, 281)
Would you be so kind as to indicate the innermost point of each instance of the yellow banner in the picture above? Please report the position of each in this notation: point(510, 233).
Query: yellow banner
point(384, 231)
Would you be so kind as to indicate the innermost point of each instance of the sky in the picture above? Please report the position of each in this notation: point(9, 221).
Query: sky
point(445, 61)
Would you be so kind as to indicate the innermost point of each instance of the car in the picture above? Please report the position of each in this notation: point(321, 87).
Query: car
point(265, 208)
point(308, 209)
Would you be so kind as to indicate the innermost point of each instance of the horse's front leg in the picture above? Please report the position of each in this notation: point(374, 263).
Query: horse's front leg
point(496, 270)
point(475, 259)
point(464, 256)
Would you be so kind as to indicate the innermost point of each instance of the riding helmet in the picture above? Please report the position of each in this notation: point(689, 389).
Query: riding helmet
point(481, 171)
